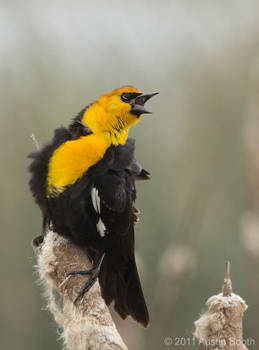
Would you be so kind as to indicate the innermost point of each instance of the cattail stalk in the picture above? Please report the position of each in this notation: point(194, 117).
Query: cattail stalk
point(86, 325)
point(221, 326)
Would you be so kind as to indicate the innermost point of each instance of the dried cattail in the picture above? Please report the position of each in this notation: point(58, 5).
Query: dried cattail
point(87, 325)
point(221, 326)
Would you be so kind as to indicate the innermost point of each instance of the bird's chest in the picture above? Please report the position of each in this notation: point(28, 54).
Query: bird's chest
point(72, 160)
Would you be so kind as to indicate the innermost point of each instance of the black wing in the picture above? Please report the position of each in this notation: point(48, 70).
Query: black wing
point(115, 186)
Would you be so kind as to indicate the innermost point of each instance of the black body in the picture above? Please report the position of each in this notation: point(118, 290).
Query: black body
point(73, 215)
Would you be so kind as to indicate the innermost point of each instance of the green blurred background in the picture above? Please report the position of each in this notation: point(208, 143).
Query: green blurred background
point(200, 144)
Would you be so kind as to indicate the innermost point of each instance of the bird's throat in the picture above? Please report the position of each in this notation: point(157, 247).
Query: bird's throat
point(117, 136)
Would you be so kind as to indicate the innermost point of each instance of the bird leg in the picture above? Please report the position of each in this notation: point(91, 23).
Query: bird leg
point(94, 273)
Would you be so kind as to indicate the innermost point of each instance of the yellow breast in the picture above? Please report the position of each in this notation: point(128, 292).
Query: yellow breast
point(72, 159)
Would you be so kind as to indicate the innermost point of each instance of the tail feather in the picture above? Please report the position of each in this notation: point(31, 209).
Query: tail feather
point(123, 286)
point(135, 298)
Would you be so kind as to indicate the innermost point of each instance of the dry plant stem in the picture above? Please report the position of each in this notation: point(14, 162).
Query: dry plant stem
point(35, 142)
point(227, 284)
point(87, 325)
point(221, 326)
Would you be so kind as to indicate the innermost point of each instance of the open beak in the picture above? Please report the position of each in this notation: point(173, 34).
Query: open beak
point(138, 102)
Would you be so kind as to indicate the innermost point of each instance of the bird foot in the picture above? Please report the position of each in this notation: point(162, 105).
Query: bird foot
point(136, 214)
point(94, 273)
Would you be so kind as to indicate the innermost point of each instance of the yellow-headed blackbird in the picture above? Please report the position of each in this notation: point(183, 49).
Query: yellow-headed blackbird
point(84, 183)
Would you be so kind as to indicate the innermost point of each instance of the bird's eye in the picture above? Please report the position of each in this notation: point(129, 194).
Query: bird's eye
point(126, 97)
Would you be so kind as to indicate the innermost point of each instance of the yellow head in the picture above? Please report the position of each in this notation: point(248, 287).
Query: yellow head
point(115, 112)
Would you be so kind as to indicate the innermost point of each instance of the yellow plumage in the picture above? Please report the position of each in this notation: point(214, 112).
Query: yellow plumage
point(72, 159)
point(109, 119)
